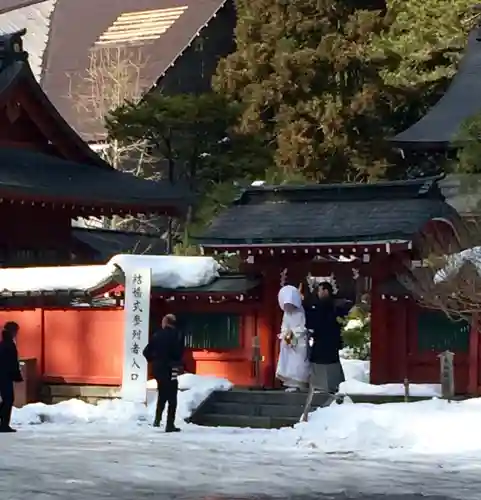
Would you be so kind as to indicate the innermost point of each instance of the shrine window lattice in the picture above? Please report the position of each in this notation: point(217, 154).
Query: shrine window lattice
point(211, 330)
point(438, 333)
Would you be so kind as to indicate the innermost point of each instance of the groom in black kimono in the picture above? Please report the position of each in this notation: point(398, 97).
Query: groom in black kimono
point(325, 340)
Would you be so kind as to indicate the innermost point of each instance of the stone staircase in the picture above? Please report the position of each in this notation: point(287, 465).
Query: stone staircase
point(266, 409)
point(263, 409)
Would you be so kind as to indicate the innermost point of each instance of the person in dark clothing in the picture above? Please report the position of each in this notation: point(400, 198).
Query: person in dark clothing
point(165, 351)
point(9, 373)
point(325, 340)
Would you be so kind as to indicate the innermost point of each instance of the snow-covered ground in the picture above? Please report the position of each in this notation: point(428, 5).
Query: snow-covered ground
point(193, 390)
point(361, 428)
point(75, 450)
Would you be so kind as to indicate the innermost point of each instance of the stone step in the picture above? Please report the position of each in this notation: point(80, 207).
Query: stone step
point(267, 397)
point(76, 391)
point(299, 398)
point(245, 421)
point(275, 411)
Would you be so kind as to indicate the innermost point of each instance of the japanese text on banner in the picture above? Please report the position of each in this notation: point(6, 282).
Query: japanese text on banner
point(136, 334)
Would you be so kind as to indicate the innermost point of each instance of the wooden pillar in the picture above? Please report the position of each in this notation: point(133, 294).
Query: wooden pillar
point(399, 332)
point(379, 340)
point(267, 329)
point(473, 373)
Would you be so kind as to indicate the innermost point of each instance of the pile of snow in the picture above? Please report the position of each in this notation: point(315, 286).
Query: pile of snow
point(356, 388)
point(356, 373)
point(356, 370)
point(193, 390)
point(434, 426)
point(36, 279)
point(168, 271)
point(455, 261)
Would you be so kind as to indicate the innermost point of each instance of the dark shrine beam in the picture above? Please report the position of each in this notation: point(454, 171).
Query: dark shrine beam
point(361, 250)
point(179, 297)
point(84, 210)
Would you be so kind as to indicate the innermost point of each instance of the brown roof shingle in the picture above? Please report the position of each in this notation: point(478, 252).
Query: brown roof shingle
point(76, 26)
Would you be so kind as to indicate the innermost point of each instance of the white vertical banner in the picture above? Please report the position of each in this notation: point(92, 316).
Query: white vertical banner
point(136, 334)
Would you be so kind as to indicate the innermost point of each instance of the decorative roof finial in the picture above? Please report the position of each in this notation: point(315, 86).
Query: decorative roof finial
point(11, 47)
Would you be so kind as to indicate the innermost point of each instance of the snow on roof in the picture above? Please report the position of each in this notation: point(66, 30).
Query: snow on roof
point(37, 279)
point(455, 261)
point(172, 271)
point(168, 271)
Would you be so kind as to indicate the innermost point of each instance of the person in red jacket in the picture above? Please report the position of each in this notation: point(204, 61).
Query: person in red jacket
point(9, 373)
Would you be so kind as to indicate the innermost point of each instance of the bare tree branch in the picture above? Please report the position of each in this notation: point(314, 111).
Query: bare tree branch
point(114, 76)
point(447, 275)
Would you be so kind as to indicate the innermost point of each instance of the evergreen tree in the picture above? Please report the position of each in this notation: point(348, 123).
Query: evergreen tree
point(424, 41)
point(427, 37)
point(310, 85)
point(197, 137)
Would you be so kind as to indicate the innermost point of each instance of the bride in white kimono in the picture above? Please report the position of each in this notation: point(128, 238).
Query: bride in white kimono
point(293, 366)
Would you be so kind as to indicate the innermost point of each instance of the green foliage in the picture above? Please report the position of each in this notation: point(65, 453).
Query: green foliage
point(230, 261)
point(426, 38)
point(423, 43)
point(217, 197)
point(356, 333)
point(186, 247)
point(468, 162)
point(308, 95)
point(306, 76)
point(468, 143)
point(197, 135)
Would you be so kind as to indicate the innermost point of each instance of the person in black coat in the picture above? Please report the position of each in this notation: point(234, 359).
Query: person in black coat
point(166, 351)
point(9, 373)
point(325, 339)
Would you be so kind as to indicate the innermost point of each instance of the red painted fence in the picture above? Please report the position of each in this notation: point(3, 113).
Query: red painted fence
point(85, 346)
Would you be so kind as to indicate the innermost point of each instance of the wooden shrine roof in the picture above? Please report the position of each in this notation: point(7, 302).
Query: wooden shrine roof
point(27, 175)
point(105, 243)
point(442, 123)
point(331, 213)
point(87, 180)
point(15, 71)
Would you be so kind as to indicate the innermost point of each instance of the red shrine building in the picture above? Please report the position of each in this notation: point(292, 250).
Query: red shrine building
point(363, 236)
point(49, 176)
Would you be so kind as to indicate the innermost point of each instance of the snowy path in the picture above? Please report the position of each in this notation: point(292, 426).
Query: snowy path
point(85, 461)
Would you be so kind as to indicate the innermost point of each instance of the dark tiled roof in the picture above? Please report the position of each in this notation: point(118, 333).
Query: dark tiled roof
point(226, 283)
point(17, 73)
point(106, 243)
point(77, 25)
point(33, 16)
point(442, 123)
point(329, 213)
point(25, 174)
